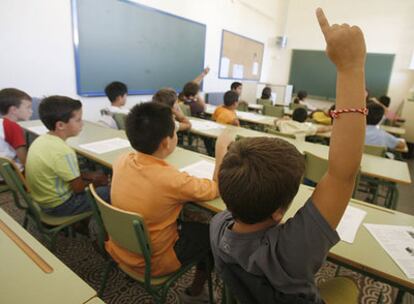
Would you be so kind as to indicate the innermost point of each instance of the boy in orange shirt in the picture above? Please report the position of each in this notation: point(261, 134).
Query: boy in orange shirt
point(145, 183)
point(226, 114)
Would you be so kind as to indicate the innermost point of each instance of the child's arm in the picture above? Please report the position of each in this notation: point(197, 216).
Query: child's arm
point(185, 123)
point(79, 184)
point(222, 144)
point(346, 49)
point(200, 77)
point(21, 153)
point(236, 122)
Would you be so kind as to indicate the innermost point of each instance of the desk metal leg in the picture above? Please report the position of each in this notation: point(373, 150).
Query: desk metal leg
point(400, 296)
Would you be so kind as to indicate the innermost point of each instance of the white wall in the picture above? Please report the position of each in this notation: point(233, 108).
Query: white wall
point(388, 27)
point(37, 47)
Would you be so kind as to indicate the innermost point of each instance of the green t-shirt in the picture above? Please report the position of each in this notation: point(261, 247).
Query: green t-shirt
point(51, 164)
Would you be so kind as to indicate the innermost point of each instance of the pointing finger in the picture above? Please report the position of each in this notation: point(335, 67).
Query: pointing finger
point(323, 22)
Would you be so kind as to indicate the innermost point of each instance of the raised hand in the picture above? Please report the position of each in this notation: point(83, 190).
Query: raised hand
point(345, 45)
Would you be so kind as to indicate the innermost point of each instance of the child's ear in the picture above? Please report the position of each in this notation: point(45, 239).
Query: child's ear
point(164, 144)
point(278, 215)
point(59, 125)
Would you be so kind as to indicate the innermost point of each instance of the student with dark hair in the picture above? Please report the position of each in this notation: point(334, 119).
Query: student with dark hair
point(259, 178)
point(375, 136)
point(266, 93)
point(390, 115)
point(300, 98)
point(169, 97)
point(117, 93)
point(237, 87)
point(144, 176)
point(15, 105)
point(52, 170)
point(226, 114)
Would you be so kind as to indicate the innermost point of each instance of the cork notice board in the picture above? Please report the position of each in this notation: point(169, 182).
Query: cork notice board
point(240, 57)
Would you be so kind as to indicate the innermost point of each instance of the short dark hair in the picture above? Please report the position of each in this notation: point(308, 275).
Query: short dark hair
point(300, 114)
point(385, 100)
point(259, 175)
point(302, 95)
point(57, 108)
point(230, 98)
point(115, 89)
point(190, 89)
point(10, 97)
point(375, 113)
point(235, 85)
point(266, 93)
point(165, 96)
point(147, 124)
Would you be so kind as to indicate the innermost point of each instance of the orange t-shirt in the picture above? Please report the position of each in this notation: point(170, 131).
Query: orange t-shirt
point(149, 186)
point(224, 115)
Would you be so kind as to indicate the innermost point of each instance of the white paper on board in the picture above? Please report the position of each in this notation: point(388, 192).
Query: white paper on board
point(238, 71)
point(224, 67)
point(255, 69)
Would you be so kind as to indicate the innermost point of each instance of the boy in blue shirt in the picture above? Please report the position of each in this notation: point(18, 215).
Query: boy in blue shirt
point(259, 178)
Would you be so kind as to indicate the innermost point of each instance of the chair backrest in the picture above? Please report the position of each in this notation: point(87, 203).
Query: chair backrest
point(375, 150)
point(127, 229)
point(294, 106)
point(278, 133)
point(120, 120)
point(243, 106)
point(185, 109)
point(275, 111)
point(263, 102)
point(315, 167)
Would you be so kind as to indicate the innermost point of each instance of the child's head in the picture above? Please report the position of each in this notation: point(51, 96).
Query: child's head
point(385, 100)
point(237, 87)
point(117, 93)
point(231, 99)
point(16, 104)
point(300, 114)
point(259, 177)
point(165, 96)
point(375, 113)
point(150, 128)
point(266, 93)
point(62, 114)
point(190, 90)
point(302, 95)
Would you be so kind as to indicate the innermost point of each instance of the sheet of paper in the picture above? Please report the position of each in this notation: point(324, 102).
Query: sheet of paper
point(349, 224)
point(398, 242)
point(107, 145)
point(210, 108)
point(238, 71)
point(205, 125)
point(255, 69)
point(251, 116)
point(39, 130)
point(224, 67)
point(200, 169)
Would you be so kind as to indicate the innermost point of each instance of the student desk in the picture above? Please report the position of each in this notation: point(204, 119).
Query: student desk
point(386, 169)
point(23, 281)
point(394, 130)
point(364, 255)
point(258, 108)
point(95, 301)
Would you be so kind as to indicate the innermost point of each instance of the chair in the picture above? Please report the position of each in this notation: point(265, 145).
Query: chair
point(120, 120)
point(275, 111)
point(278, 133)
point(375, 150)
point(185, 109)
point(5, 188)
point(49, 226)
point(315, 167)
point(294, 106)
point(243, 106)
point(339, 290)
point(264, 102)
point(129, 231)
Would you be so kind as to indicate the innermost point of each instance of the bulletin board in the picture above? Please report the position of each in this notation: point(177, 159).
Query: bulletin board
point(240, 57)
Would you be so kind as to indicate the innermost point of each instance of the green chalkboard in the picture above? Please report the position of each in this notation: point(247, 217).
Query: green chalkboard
point(313, 72)
point(143, 47)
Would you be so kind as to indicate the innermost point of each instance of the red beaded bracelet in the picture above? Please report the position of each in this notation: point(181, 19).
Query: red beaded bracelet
point(336, 113)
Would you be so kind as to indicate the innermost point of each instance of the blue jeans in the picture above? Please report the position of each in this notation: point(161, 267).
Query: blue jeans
point(77, 203)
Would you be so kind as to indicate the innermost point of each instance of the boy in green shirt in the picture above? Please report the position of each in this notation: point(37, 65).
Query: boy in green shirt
point(52, 169)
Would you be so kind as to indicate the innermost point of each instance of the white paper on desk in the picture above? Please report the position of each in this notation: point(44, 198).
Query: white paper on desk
point(248, 115)
point(200, 169)
point(349, 224)
point(210, 108)
point(205, 125)
point(238, 71)
point(107, 145)
point(39, 130)
point(398, 242)
point(224, 67)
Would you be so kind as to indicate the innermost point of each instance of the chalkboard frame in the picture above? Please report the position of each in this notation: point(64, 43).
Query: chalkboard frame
point(75, 32)
point(221, 55)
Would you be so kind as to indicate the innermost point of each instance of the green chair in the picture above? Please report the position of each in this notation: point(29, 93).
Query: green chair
point(120, 120)
point(339, 290)
point(315, 167)
point(185, 109)
point(264, 102)
point(375, 150)
point(129, 231)
point(275, 111)
point(243, 106)
point(49, 226)
point(5, 188)
point(278, 133)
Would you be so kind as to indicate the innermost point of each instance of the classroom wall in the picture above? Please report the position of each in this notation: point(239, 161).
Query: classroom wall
point(37, 51)
point(388, 27)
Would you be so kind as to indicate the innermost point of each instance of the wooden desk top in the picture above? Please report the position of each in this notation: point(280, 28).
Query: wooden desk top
point(24, 281)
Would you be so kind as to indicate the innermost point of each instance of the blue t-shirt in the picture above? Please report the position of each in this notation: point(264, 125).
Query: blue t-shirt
point(288, 255)
point(375, 136)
